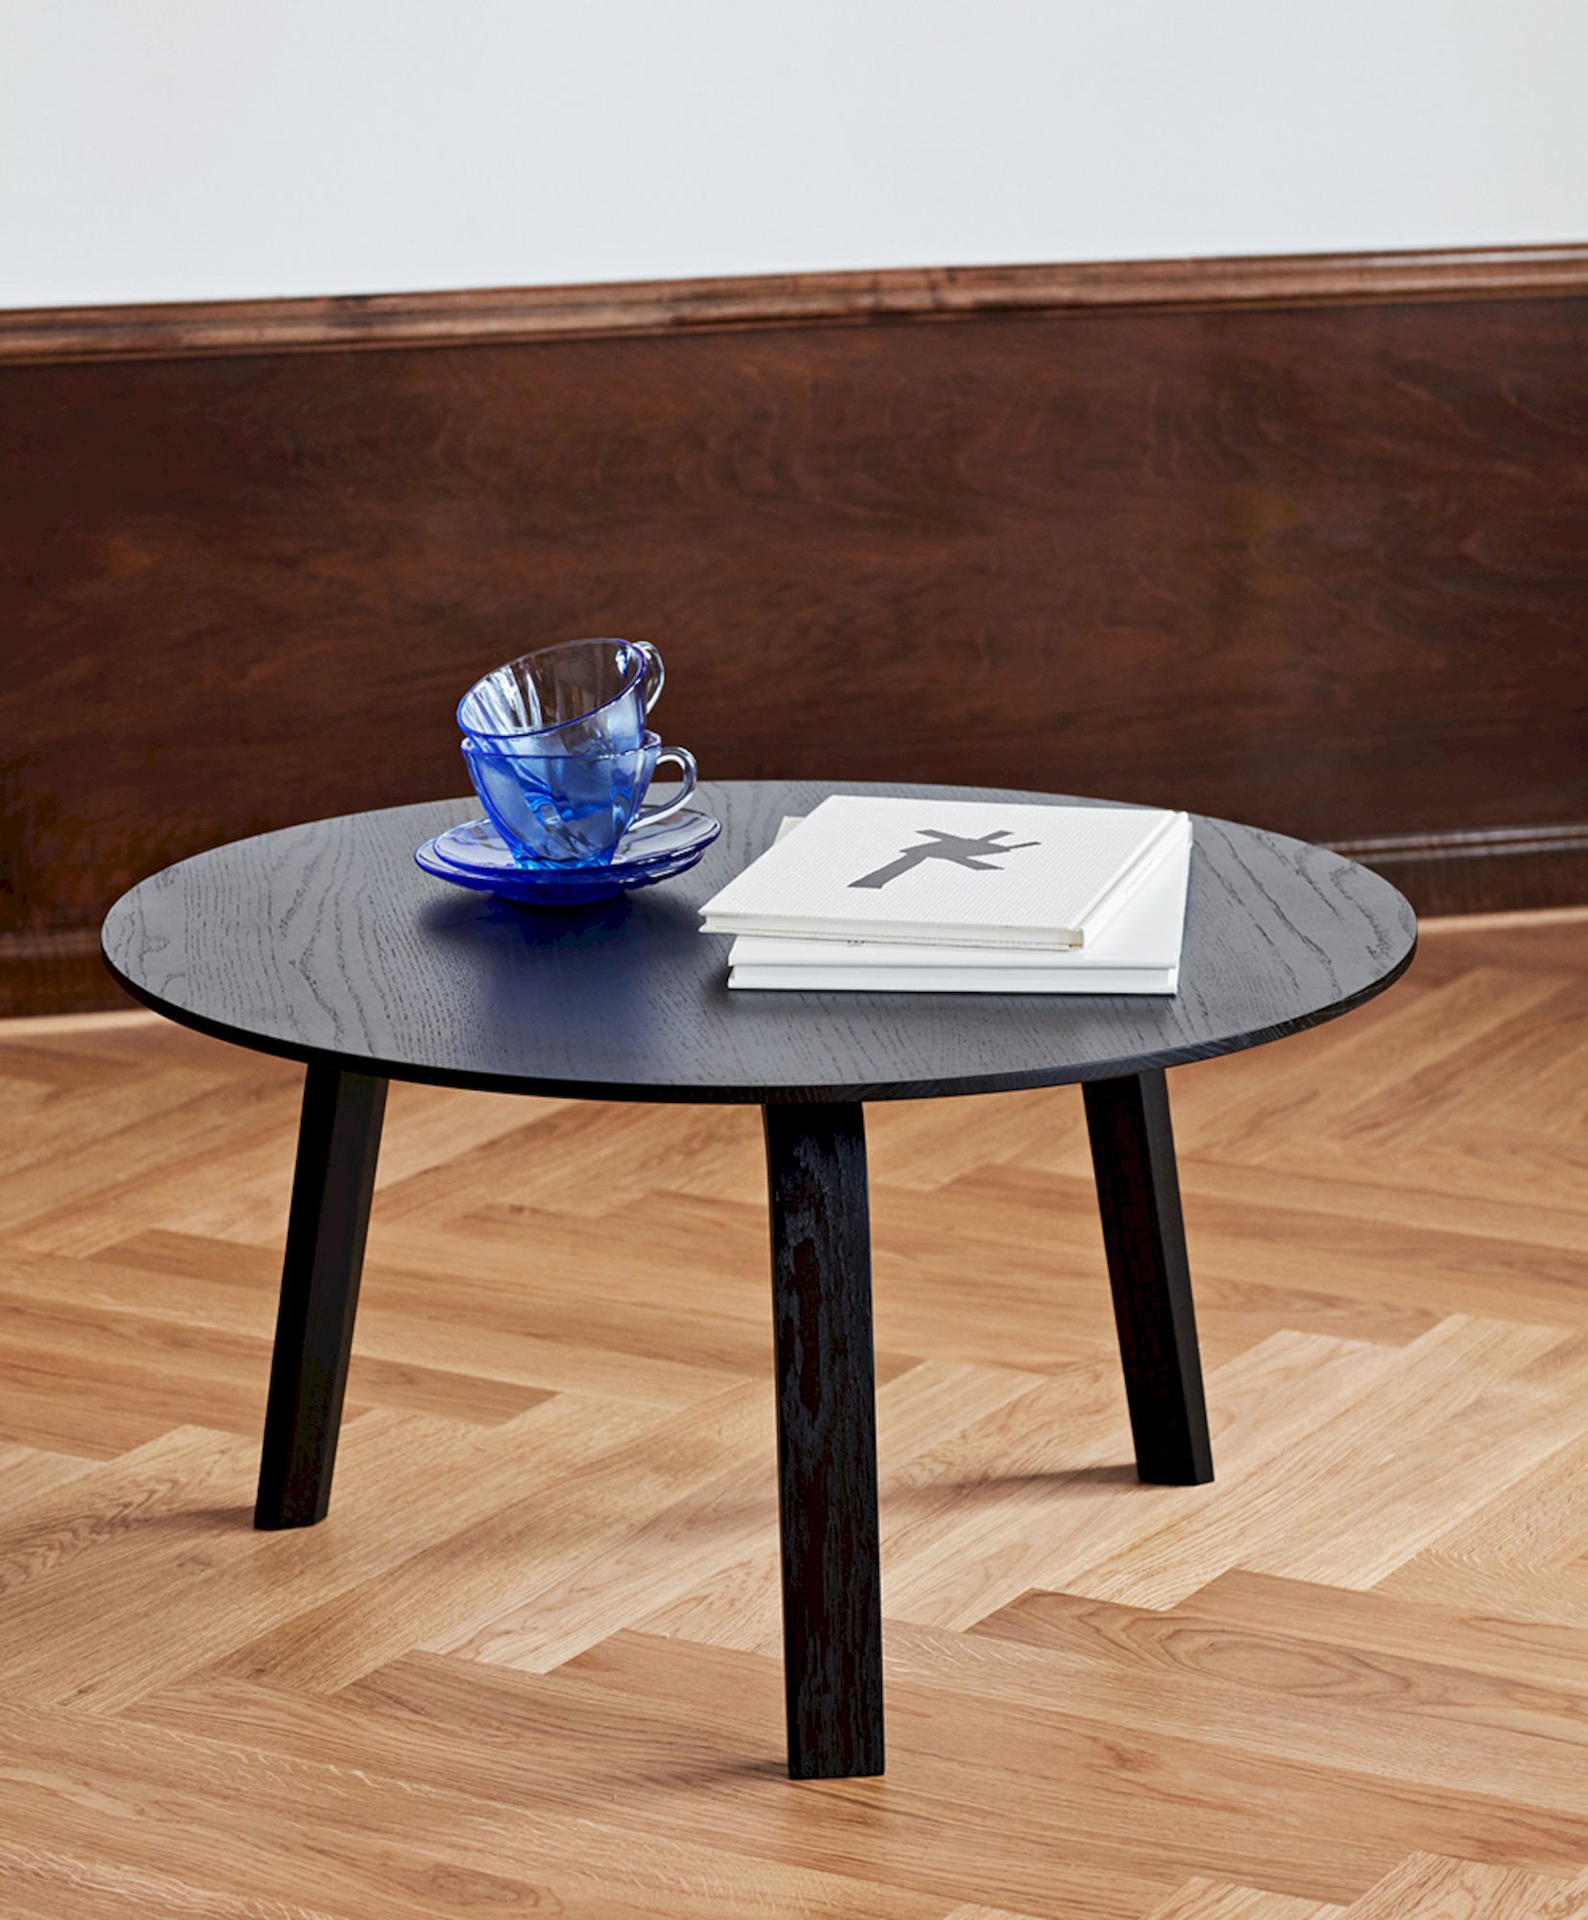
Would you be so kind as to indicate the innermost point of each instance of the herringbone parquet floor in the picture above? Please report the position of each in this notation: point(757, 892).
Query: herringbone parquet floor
point(530, 1662)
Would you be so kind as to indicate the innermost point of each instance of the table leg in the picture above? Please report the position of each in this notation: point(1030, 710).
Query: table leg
point(1138, 1190)
point(338, 1142)
point(827, 1439)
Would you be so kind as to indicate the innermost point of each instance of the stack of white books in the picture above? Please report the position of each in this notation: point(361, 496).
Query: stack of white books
point(881, 895)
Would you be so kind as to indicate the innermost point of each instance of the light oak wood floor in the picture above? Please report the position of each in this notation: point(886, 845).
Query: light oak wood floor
point(530, 1663)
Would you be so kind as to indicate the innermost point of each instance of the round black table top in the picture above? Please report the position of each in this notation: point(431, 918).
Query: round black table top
point(326, 943)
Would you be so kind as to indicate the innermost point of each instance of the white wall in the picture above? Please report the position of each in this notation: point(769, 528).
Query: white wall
point(189, 149)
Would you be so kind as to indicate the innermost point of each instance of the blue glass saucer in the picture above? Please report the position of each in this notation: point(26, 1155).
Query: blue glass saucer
point(475, 855)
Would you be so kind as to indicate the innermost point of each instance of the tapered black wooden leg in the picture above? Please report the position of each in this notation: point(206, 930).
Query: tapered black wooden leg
point(338, 1141)
point(1138, 1190)
point(826, 1439)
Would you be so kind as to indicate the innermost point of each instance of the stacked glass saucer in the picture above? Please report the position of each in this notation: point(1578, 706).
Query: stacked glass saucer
point(475, 855)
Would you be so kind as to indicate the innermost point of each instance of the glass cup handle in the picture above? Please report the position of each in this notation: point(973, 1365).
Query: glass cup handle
point(655, 672)
point(687, 773)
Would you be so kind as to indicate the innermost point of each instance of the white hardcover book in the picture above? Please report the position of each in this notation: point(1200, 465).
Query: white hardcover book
point(972, 873)
point(1138, 952)
point(949, 980)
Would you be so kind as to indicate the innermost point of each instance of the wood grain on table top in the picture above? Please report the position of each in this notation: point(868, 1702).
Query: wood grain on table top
point(325, 942)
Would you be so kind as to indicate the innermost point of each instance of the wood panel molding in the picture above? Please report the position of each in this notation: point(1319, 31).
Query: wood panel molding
point(1501, 870)
point(511, 314)
point(56, 971)
point(1297, 541)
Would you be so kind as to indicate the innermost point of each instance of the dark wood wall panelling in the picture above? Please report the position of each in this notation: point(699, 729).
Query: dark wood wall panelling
point(1304, 542)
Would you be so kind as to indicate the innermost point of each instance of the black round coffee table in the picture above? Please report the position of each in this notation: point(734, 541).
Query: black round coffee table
point(324, 943)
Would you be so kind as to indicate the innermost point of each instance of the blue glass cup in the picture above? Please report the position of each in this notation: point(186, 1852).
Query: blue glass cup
point(580, 696)
point(571, 809)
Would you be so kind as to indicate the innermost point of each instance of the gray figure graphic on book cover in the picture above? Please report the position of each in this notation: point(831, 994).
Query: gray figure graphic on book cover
point(956, 847)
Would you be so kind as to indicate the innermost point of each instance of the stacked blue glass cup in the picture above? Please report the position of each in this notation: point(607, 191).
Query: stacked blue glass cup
point(557, 747)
